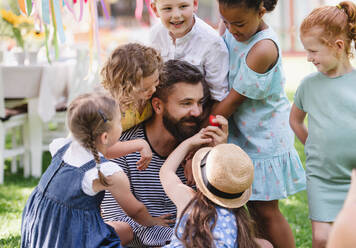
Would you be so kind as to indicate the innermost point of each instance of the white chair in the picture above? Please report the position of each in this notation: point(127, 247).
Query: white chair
point(83, 79)
point(16, 125)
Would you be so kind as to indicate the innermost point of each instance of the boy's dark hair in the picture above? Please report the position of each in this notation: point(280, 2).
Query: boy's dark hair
point(177, 71)
point(268, 4)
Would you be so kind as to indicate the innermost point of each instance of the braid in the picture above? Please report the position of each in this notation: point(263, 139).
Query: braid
point(89, 116)
point(102, 178)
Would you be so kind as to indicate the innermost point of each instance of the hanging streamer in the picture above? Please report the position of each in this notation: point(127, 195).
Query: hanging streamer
point(45, 11)
point(148, 5)
point(105, 10)
point(81, 10)
point(70, 9)
point(55, 40)
point(29, 7)
point(22, 6)
point(59, 23)
point(46, 43)
point(139, 9)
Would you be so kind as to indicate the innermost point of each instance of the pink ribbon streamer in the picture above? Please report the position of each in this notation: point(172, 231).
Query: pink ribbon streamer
point(139, 9)
point(81, 10)
point(70, 9)
point(148, 4)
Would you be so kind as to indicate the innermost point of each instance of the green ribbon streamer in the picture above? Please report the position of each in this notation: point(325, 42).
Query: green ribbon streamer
point(29, 7)
point(46, 43)
point(55, 39)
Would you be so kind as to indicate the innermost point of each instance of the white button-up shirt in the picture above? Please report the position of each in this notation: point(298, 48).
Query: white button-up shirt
point(202, 47)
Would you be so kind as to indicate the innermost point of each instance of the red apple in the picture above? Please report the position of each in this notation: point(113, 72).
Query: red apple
point(211, 118)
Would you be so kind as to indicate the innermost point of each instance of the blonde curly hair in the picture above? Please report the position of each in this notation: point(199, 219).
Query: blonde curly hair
point(124, 70)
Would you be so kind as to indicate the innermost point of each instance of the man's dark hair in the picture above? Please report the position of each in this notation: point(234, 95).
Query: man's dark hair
point(177, 71)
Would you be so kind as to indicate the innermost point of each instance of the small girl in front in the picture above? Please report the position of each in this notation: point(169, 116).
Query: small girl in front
point(63, 210)
point(214, 215)
point(131, 75)
point(259, 111)
point(329, 98)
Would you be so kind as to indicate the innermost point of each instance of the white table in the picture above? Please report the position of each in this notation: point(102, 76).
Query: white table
point(42, 86)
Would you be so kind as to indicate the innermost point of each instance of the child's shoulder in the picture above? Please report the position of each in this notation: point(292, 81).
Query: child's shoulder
point(206, 31)
point(310, 78)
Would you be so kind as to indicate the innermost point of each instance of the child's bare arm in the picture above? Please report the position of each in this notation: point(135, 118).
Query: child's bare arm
point(296, 122)
point(120, 190)
point(228, 106)
point(126, 147)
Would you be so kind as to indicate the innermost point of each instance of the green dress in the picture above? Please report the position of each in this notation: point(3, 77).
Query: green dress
point(331, 144)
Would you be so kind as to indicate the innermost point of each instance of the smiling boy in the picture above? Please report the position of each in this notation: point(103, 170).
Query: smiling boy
point(182, 35)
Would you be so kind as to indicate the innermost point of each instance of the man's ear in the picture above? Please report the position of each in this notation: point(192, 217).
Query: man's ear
point(154, 8)
point(157, 105)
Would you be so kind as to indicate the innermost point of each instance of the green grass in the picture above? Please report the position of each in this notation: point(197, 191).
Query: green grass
point(13, 196)
point(16, 189)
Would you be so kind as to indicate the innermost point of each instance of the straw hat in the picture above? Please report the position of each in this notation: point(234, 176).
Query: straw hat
point(224, 174)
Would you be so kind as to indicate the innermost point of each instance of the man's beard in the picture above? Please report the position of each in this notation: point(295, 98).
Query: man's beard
point(177, 127)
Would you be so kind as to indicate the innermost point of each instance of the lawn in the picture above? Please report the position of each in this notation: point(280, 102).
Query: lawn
point(16, 189)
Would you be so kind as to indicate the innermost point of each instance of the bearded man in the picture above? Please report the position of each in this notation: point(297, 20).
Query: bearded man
point(178, 111)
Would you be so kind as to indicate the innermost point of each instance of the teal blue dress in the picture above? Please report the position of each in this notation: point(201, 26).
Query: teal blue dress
point(260, 125)
point(331, 144)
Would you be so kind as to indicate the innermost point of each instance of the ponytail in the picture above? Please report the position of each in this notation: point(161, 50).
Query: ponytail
point(350, 9)
point(269, 4)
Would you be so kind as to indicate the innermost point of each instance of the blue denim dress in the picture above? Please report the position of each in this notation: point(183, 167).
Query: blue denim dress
point(59, 214)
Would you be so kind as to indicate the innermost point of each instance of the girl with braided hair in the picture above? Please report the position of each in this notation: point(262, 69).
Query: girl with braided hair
point(63, 210)
point(328, 96)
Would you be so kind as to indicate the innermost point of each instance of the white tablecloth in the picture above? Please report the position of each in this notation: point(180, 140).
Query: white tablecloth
point(47, 82)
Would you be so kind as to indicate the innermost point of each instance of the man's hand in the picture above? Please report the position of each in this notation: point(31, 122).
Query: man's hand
point(163, 220)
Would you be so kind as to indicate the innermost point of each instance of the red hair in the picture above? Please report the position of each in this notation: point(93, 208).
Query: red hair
point(337, 22)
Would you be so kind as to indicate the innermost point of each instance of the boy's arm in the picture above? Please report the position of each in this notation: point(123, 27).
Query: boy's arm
point(296, 122)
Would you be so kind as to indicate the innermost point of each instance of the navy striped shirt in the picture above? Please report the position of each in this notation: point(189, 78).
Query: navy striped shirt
point(145, 185)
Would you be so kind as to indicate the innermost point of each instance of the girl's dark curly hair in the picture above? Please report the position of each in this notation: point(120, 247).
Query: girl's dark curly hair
point(268, 4)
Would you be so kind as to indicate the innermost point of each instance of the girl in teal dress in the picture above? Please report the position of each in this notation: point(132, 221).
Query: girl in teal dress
point(329, 98)
point(259, 110)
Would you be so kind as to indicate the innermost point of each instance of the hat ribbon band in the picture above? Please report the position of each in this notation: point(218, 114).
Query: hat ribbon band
point(210, 187)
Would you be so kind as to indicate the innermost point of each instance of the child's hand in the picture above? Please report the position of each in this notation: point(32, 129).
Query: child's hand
point(146, 155)
point(217, 132)
point(198, 139)
point(163, 220)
